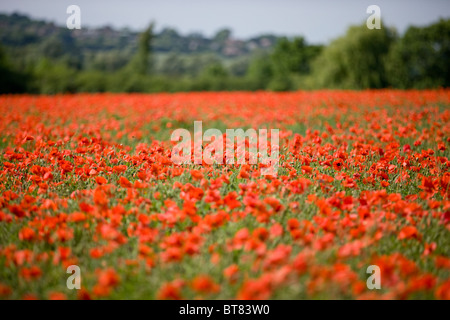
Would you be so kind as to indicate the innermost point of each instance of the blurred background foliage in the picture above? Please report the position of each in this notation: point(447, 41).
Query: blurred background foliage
point(40, 57)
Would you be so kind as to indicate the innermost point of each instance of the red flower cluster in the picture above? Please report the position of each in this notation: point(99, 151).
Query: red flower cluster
point(363, 179)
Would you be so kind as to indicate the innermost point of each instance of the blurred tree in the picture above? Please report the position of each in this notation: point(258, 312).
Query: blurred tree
point(52, 47)
point(168, 40)
point(109, 61)
point(214, 77)
point(239, 66)
point(11, 80)
point(260, 72)
point(356, 60)
point(222, 35)
point(293, 56)
point(291, 59)
point(173, 65)
point(54, 77)
point(220, 39)
point(141, 62)
point(421, 59)
point(215, 70)
point(197, 63)
point(91, 81)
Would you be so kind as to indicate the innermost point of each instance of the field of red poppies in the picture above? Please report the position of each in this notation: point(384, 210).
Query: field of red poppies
point(363, 179)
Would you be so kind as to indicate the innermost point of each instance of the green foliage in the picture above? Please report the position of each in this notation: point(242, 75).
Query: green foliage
point(141, 62)
point(54, 77)
point(239, 67)
point(290, 60)
point(11, 80)
point(421, 58)
point(108, 61)
point(91, 81)
point(356, 60)
point(39, 57)
point(293, 56)
point(173, 65)
point(260, 72)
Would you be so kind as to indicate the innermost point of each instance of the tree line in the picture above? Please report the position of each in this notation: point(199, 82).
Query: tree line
point(360, 59)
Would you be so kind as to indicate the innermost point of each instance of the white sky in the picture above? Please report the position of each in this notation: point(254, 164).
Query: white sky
point(318, 20)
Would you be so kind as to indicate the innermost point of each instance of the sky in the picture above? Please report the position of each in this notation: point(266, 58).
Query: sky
point(319, 21)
